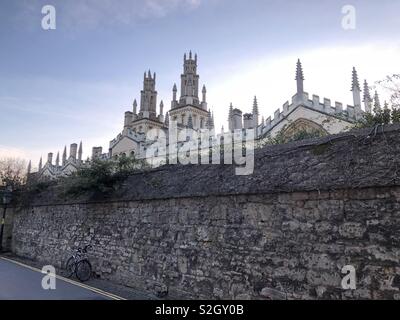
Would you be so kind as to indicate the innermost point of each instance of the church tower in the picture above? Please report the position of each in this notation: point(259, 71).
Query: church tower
point(189, 81)
point(148, 97)
point(189, 111)
point(147, 118)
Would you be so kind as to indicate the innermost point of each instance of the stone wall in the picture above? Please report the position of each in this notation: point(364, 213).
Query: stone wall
point(284, 232)
point(7, 235)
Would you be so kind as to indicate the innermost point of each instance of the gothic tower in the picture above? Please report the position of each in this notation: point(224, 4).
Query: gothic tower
point(189, 111)
point(189, 81)
point(148, 97)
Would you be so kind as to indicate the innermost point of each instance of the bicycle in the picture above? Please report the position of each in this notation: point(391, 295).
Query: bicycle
point(79, 264)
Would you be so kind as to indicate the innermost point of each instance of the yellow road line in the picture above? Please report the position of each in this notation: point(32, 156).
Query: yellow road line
point(104, 293)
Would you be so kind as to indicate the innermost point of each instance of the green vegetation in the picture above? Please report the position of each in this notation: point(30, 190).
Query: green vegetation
point(281, 137)
point(101, 176)
point(380, 116)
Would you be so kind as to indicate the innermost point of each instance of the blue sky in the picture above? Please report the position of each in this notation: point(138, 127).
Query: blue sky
point(75, 83)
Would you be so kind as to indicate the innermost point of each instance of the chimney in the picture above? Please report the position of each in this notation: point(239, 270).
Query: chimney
point(73, 151)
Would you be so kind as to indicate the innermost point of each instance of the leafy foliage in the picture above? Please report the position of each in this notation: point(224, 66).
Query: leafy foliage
point(380, 116)
point(282, 138)
point(101, 176)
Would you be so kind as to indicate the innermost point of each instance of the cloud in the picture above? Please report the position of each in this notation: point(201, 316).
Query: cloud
point(91, 14)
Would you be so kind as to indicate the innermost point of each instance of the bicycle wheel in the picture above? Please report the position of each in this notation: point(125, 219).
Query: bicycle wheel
point(70, 267)
point(83, 270)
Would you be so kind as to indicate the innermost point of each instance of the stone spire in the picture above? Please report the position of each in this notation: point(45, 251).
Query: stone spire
point(29, 167)
point(80, 152)
point(355, 88)
point(174, 91)
point(299, 78)
point(204, 91)
point(255, 112)
point(161, 108)
point(255, 107)
point(367, 98)
point(134, 106)
point(64, 157)
point(40, 164)
point(377, 103)
point(190, 121)
point(166, 122)
point(263, 121)
point(230, 117)
point(209, 120)
point(58, 159)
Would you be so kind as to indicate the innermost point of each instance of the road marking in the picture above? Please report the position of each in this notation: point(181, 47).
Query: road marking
point(93, 289)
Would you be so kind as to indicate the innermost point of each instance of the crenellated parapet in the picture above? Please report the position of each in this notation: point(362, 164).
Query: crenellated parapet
point(349, 113)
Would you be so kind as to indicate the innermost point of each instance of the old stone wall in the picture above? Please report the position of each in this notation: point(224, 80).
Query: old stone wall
point(284, 232)
point(7, 235)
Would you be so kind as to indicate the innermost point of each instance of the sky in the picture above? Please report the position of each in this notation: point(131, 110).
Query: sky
point(74, 83)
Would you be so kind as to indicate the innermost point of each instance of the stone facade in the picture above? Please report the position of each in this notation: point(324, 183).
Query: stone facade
point(285, 232)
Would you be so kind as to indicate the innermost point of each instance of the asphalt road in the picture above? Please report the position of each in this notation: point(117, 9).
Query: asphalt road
point(21, 283)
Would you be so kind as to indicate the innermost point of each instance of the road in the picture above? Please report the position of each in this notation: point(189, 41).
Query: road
point(18, 282)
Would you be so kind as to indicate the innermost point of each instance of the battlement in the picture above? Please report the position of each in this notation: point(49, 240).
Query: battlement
point(315, 103)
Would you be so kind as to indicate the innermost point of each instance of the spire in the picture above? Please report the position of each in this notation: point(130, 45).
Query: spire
point(210, 120)
point(190, 121)
point(80, 152)
point(299, 77)
point(230, 111)
point(190, 55)
point(161, 107)
point(29, 167)
point(255, 106)
point(40, 164)
point(149, 74)
point(222, 129)
point(355, 85)
point(64, 157)
point(166, 122)
point(377, 104)
point(184, 57)
point(355, 88)
point(58, 159)
point(204, 91)
point(134, 106)
point(367, 97)
point(263, 121)
point(174, 91)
